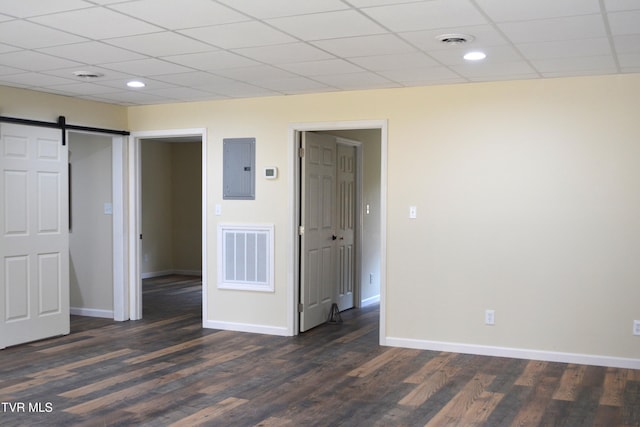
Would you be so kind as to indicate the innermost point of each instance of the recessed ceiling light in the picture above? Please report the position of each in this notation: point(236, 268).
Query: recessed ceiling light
point(88, 74)
point(474, 56)
point(136, 84)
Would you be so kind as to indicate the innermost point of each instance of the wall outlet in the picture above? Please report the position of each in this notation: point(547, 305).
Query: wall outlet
point(489, 317)
point(636, 327)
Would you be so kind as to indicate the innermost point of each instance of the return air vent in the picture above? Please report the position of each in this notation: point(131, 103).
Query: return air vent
point(245, 257)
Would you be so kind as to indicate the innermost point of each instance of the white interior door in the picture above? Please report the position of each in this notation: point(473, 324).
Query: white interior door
point(317, 269)
point(34, 249)
point(345, 224)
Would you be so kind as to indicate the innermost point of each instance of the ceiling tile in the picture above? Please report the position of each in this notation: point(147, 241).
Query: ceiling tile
point(241, 34)
point(425, 74)
point(577, 27)
point(183, 94)
point(279, 8)
point(171, 14)
point(328, 25)
point(209, 61)
point(628, 60)
point(135, 98)
point(625, 22)
point(107, 75)
point(319, 68)
point(194, 79)
point(92, 53)
point(256, 74)
point(492, 69)
point(28, 8)
point(613, 5)
point(147, 67)
point(240, 90)
point(404, 61)
point(495, 54)
point(484, 35)
point(96, 23)
point(284, 54)
point(34, 61)
point(83, 89)
point(369, 3)
point(120, 84)
point(380, 44)
point(526, 10)
point(427, 15)
point(294, 85)
point(565, 48)
point(4, 48)
point(161, 44)
point(627, 44)
point(356, 81)
point(35, 79)
point(28, 35)
point(4, 70)
point(598, 64)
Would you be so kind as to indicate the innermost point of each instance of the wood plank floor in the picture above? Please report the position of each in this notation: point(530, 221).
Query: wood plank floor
point(167, 371)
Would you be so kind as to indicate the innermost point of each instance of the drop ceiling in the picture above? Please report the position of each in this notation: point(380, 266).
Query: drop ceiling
point(192, 50)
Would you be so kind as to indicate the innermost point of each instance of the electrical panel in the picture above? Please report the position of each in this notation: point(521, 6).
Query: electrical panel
point(239, 169)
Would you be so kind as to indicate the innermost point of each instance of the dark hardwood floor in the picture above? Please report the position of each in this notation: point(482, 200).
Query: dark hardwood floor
point(167, 370)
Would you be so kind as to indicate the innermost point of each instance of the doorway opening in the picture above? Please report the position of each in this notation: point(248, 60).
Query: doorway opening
point(370, 140)
point(96, 225)
point(168, 248)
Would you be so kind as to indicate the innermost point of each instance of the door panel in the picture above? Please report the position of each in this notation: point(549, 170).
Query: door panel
point(317, 268)
point(34, 250)
point(346, 179)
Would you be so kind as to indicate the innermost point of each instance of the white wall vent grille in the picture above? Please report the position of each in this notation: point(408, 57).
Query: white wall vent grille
point(245, 257)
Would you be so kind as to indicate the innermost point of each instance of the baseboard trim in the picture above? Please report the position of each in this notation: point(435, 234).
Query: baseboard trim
point(246, 327)
point(153, 274)
point(517, 353)
point(370, 301)
point(91, 312)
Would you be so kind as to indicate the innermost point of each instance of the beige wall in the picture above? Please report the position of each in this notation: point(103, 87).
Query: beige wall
point(528, 203)
point(26, 104)
point(527, 192)
point(171, 207)
point(91, 234)
point(187, 206)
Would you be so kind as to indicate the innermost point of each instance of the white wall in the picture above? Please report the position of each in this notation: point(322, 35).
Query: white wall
point(528, 196)
point(91, 234)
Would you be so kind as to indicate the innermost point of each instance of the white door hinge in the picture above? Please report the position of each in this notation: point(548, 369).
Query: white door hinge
point(301, 230)
point(300, 307)
point(301, 152)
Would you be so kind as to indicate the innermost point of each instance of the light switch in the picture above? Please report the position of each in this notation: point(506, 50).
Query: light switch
point(413, 212)
point(108, 209)
point(218, 209)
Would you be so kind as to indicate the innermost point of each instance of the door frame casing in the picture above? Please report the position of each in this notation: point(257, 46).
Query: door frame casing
point(135, 217)
point(293, 270)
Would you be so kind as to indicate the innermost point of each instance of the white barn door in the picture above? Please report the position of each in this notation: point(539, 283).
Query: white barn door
point(34, 241)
